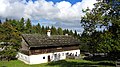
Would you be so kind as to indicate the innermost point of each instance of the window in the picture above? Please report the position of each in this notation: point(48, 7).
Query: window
point(59, 55)
point(70, 54)
point(55, 55)
point(21, 56)
point(36, 50)
point(43, 57)
point(59, 48)
point(25, 57)
point(62, 54)
point(67, 53)
point(76, 54)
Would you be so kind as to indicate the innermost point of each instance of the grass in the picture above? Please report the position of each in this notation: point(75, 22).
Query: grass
point(62, 63)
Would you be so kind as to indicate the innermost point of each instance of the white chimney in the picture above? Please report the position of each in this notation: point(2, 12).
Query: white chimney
point(48, 33)
point(66, 34)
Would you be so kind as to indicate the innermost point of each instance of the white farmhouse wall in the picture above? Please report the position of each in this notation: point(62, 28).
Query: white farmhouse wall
point(37, 59)
point(43, 58)
point(24, 58)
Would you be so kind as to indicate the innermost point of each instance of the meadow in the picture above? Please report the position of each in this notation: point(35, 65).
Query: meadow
point(61, 63)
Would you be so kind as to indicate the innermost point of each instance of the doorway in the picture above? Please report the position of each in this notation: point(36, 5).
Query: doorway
point(48, 58)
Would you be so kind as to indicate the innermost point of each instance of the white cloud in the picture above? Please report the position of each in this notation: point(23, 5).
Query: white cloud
point(11, 9)
point(63, 11)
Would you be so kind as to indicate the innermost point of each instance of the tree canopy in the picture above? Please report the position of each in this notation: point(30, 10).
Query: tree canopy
point(104, 15)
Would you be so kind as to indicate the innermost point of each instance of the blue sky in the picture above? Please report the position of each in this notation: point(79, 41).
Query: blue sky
point(55, 1)
point(59, 13)
point(71, 1)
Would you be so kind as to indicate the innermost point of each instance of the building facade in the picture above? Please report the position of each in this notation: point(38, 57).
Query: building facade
point(38, 49)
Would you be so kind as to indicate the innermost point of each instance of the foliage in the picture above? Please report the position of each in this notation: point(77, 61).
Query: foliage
point(0, 22)
point(20, 25)
point(10, 35)
point(28, 26)
point(60, 31)
point(105, 15)
point(54, 31)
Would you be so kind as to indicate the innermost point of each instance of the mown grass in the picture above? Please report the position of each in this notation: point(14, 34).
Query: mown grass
point(62, 63)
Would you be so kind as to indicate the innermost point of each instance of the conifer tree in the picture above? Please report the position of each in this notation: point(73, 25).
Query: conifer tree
point(0, 22)
point(28, 26)
point(60, 31)
point(54, 31)
point(20, 25)
point(38, 28)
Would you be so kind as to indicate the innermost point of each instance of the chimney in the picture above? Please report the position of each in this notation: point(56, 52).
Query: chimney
point(66, 34)
point(48, 33)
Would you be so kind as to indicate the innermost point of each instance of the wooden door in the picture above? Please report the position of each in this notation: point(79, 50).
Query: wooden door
point(48, 58)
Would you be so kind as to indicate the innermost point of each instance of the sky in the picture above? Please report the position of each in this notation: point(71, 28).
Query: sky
point(59, 13)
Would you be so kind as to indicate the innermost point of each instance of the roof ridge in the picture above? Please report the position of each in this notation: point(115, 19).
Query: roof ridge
point(45, 35)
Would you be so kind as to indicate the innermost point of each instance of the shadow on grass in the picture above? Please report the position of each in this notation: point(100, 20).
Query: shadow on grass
point(98, 58)
point(3, 66)
point(64, 63)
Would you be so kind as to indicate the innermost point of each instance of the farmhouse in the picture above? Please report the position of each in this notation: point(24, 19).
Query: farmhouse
point(38, 49)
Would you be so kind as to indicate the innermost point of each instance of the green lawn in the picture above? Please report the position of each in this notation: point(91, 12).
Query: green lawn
point(62, 63)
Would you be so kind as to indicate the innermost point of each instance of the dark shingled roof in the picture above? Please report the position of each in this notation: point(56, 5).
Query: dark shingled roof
point(36, 40)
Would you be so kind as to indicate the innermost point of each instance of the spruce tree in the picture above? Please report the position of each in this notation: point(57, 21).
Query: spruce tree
point(60, 31)
point(28, 26)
